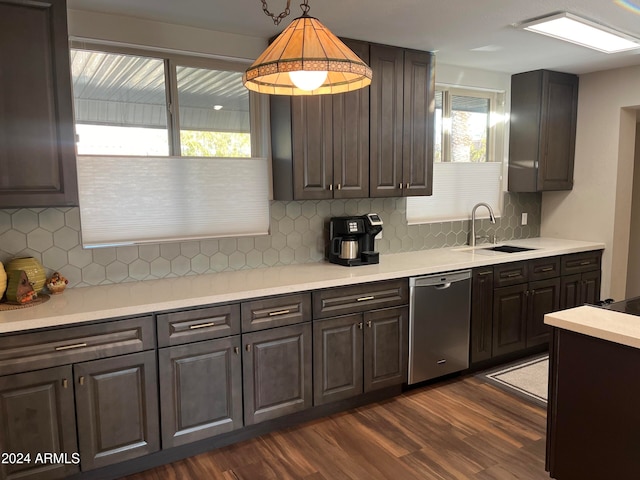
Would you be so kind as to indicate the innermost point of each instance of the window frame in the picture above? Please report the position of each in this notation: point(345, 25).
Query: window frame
point(258, 105)
point(495, 131)
point(496, 140)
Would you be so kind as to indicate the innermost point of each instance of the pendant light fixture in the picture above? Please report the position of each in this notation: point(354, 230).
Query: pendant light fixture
point(306, 59)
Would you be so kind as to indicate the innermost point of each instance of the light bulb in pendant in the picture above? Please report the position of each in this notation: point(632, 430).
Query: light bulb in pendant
point(308, 79)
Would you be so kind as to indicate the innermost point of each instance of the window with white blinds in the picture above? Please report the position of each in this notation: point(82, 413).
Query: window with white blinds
point(468, 156)
point(134, 200)
point(457, 187)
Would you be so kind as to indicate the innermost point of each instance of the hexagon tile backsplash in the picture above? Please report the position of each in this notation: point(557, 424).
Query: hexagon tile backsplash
point(52, 235)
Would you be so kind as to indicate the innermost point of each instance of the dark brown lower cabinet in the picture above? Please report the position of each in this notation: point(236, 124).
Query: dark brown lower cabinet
point(38, 416)
point(385, 351)
point(117, 408)
point(359, 353)
point(481, 314)
point(277, 369)
point(518, 314)
point(200, 390)
point(579, 289)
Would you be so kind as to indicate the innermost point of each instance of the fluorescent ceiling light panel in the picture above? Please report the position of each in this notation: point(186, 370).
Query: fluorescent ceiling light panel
point(574, 29)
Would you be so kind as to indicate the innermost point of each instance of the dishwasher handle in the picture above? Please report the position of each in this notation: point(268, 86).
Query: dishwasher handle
point(440, 281)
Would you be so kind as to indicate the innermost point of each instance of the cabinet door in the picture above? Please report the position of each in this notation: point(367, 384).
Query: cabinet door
point(558, 131)
point(570, 291)
point(417, 144)
point(337, 358)
point(38, 416)
point(509, 319)
point(311, 124)
point(117, 408)
point(481, 314)
point(351, 137)
point(590, 287)
point(200, 390)
point(543, 297)
point(386, 116)
point(37, 147)
point(385, 348)
point(277, 369)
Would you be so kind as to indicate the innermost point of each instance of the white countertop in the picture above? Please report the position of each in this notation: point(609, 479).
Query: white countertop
point(134, 298)
point(600, 323)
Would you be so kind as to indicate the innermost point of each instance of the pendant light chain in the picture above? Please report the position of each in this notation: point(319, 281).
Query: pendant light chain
point(278, 18)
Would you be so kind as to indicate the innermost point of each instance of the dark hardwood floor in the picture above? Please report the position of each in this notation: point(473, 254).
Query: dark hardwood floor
point(460, 429)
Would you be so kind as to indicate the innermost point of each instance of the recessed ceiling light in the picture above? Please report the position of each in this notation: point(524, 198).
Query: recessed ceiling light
point(217, 107)
point(580, 31)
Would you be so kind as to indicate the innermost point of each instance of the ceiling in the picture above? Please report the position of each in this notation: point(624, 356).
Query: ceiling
point(470, 33)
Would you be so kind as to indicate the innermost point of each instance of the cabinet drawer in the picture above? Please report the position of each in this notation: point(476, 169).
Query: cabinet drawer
point(276, 312)
point(510, 274)
point(360, 298)
point(581, 262)
point(188, 326)
point(31, 351)
point(543, 268)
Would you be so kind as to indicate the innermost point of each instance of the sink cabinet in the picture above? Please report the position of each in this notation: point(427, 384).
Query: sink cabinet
point(37, 140)
point(544, 107)
point(509, 301)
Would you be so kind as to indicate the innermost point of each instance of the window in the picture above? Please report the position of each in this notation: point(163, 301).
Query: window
point(142, 123)
point(125, 105)
point(468, 139)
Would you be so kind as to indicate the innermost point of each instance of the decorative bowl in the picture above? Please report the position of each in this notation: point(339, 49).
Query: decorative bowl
point(55, 289)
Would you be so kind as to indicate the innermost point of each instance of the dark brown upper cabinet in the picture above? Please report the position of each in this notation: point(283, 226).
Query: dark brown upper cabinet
point(373, 142)
point(320, 144)
point(542, 135)
point(37, 148)
point(401, 116)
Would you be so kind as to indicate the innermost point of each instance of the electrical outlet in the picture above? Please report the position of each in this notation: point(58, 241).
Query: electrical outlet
point(524, 219)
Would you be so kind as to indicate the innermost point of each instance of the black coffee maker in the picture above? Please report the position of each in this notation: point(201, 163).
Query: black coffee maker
point(352, 239)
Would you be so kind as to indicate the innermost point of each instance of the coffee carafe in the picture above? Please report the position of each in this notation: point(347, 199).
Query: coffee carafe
point(352, 239)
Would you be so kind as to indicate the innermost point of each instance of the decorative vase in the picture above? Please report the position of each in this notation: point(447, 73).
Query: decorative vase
point(3, 280)
point(33, 268)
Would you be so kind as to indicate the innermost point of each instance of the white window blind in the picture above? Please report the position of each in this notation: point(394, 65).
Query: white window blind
point(131, 200)
point(457, 187)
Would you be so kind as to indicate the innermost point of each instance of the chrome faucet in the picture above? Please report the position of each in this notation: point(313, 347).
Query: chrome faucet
point(492, 218)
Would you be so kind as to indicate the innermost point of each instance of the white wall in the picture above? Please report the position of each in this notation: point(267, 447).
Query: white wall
point(138, 32)
point(633, 272)
point(599, 206)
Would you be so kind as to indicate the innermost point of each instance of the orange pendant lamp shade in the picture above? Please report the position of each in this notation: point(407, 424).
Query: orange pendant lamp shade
point(307, 49)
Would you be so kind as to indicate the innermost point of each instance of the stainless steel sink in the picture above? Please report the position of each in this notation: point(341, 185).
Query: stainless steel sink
point(508, 249)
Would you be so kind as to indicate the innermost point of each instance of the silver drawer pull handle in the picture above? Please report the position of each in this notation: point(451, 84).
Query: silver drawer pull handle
point(364, 299)
point(582, 264)
point(202, 325)
point(71, 347)
point(279, 312)
point(514, 274)
point(441, 362)
point(546, 269)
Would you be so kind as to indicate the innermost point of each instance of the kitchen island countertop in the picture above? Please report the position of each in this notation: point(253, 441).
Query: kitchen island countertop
point(599, 323)
point(85, 304)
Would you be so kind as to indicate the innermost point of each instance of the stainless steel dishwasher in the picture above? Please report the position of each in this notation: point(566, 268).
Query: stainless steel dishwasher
point(439, 320)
